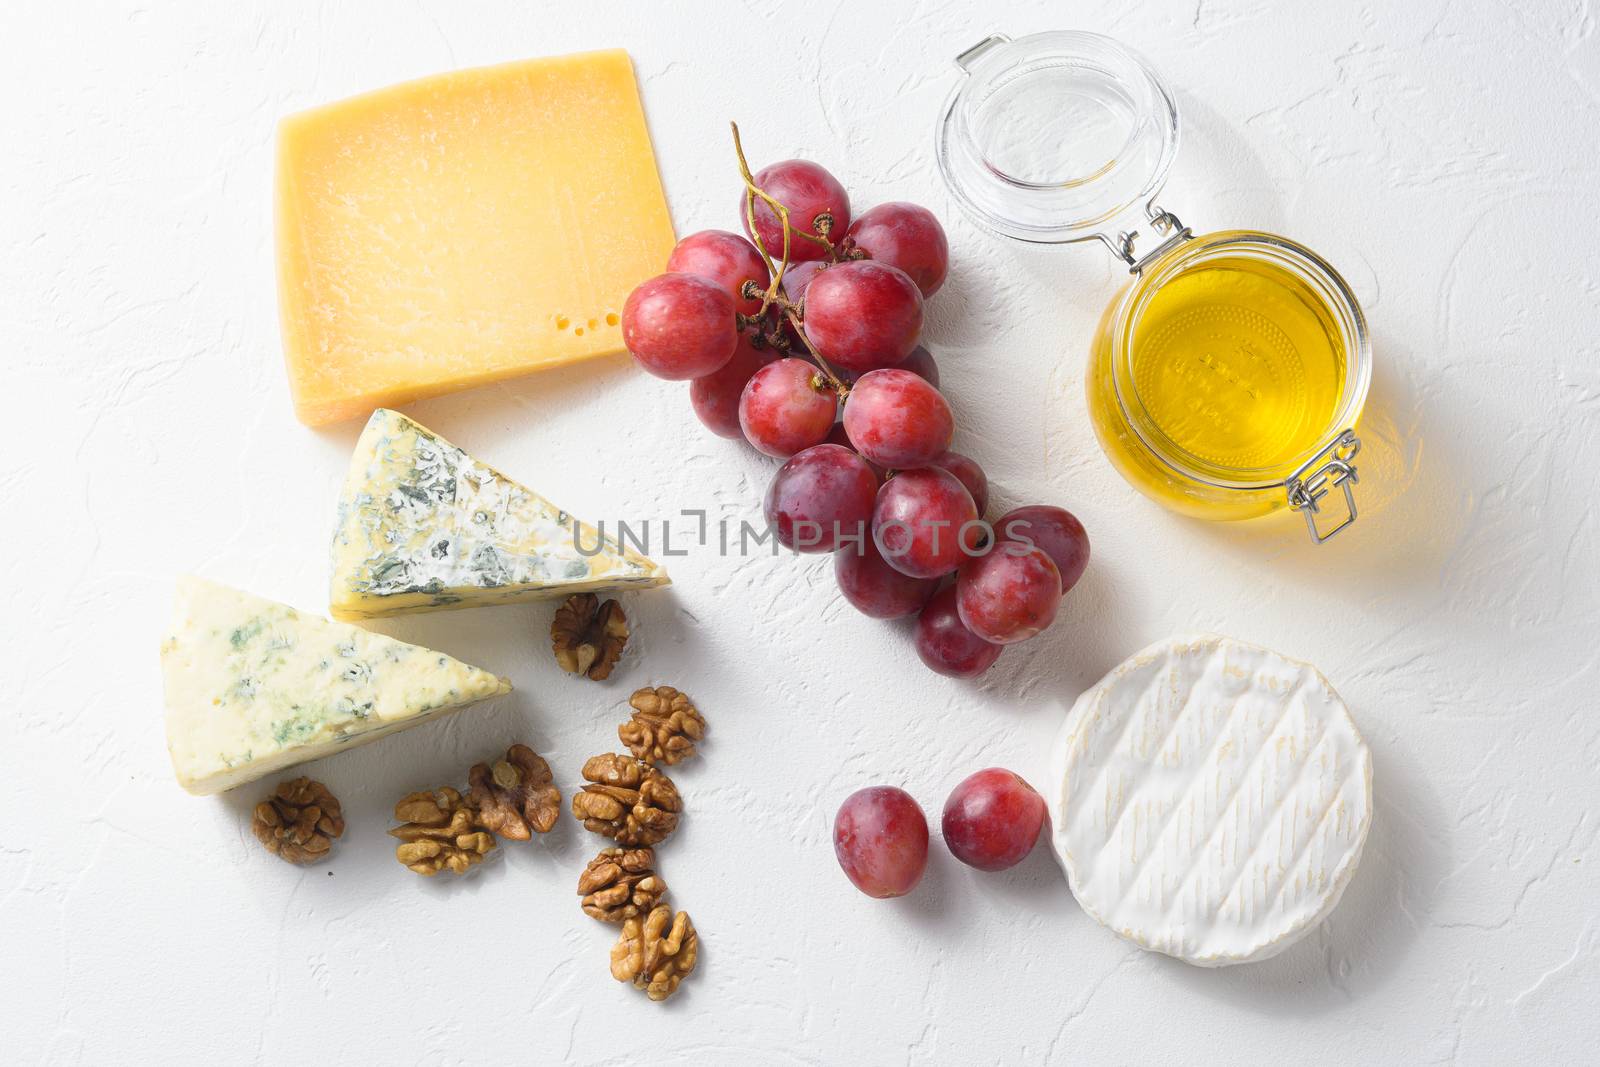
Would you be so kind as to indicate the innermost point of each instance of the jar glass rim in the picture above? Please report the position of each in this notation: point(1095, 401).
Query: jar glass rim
point(1290, 255)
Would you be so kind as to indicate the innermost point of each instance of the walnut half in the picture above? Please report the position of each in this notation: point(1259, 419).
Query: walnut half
point(627, 800)
point(588, 636)
point(620, 884)
point(438, 833)
point(514, 795)
point(299, 821)
point(664, 727)
point(656, 952)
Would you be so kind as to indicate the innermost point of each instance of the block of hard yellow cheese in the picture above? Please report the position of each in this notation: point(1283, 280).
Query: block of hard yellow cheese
point(463, 229)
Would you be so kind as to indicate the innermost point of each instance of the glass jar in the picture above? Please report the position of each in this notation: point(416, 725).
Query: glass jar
point(1226, 378)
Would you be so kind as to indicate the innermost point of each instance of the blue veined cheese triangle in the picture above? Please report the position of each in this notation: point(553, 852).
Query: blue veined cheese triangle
point(423, 526)
point(254, 686)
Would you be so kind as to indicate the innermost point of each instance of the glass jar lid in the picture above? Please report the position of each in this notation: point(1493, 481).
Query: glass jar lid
point(1050, 138)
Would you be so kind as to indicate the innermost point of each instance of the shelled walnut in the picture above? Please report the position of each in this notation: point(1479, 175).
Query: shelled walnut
point(438, 833)
point(627, 800)
point(620, 884)
point(664, 727)
point(514, 795)
point(656, 952)
point(299, 821)
point(588, 636)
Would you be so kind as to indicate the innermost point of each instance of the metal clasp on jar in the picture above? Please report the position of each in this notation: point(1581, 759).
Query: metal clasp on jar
point(1327, 469)
point(1166, 225)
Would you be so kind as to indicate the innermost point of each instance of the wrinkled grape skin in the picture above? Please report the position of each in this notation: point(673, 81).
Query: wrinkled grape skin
point(784, 409)
point(715, 397)
point(944, 643)
point(863, 315)
point(906, 236)
point(1056, 530)
point(680, 326)
point(880, 838)
point(924, 522)
point(1006, 596)
point(971, 475)
point(897, 420)
point(820, 497)
point(726, 259)
point(992, 820)
point(876, 589)
point(806, 190)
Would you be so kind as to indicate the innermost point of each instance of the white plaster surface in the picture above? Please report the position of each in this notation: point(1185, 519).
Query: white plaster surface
point(1445, 155)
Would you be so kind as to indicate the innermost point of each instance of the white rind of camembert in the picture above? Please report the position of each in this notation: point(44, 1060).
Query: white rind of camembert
point(253, 686)
point(423, 526)
point(1210, 800)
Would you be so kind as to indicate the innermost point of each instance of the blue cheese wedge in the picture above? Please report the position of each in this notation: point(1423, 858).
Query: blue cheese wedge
point(253, 686)
point(423, 526)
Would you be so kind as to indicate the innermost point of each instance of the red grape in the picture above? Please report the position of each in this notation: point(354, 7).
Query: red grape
point(876, 589)
point(905, 236)
point(920, 362)
point(925, 522)
point(1056, 530)
point(863, 315)
point(807, 191)
point(837, 436)
point(798, 278)
point(992, 820)
point(680, 326)
point(881, 840)
point(821, 497)
point(795, 281)
point(896, 419)
point(786, 407)
point(715, 397)
point(724, 258)
point(1010, 594)
point(971, 476)
point(946, 645)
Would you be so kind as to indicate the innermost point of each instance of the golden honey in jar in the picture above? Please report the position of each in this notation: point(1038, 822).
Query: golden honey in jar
point(1223, 369)
point(1238, 364)
point(1225, 380)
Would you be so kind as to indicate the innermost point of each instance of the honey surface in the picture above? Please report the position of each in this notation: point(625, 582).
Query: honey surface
point(1239, 365)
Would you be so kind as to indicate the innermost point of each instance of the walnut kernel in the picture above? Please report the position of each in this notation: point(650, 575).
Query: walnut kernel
point(438, 833)
point(514, 795)
point(664, 727)
point(299, 821)
point(656, 952)
point(588, 636)
point(620, 884)
point(627, 800)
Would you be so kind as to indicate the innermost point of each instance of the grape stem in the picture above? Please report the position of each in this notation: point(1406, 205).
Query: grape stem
point(775, 294)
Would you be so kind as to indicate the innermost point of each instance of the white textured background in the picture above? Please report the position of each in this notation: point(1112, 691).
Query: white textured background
point(1444, 155)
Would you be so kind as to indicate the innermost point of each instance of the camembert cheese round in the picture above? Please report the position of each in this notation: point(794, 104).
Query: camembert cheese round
point(1210, 800)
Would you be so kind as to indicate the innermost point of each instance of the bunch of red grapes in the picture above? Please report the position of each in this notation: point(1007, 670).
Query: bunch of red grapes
point(812, 356)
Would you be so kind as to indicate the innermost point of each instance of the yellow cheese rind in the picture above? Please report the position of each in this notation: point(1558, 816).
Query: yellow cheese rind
point(254, 686)
point(424, 526)
point(463, 229)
